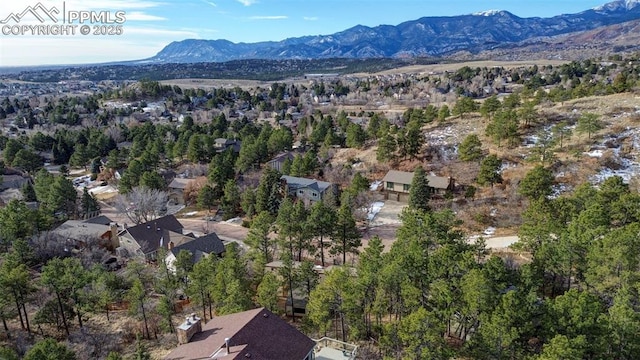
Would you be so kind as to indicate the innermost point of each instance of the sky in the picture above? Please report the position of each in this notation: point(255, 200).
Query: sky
point(141, 28)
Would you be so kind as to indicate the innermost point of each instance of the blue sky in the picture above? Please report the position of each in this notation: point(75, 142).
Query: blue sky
point(152, 24)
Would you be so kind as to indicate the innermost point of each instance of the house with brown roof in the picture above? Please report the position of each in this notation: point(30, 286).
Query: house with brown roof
point(144, 240)
point(255, 334)
point(397, 184)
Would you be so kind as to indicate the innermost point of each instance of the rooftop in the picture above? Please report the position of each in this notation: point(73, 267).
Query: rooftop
point(404, 177)
point(179, 183)
point(155, 233)
point(204, 245)
point(298, 182)
point(256, 334)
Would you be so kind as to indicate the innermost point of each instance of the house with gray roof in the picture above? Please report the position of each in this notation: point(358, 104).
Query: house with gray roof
point(222, 144)
point(78, 233)
point(144, 240)
point(13, 181)
point(199, 248)
point(278, 161)
point(397, 184)
point(307, 190)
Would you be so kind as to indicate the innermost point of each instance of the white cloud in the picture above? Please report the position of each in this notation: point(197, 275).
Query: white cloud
point(111, 4)
point(310, 18)
point(141, 16)
point(247, 2)
point(276, 17)
point(210, 3)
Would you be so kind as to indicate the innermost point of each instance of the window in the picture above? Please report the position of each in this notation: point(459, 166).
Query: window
point(300, 191)
point(406, 187)
point(314, 194)
point(389, 185)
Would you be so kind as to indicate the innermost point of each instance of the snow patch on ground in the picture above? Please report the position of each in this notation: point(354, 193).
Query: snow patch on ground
point(629, 166)
point(594, 153)
point(374, 209)
point(234, 221)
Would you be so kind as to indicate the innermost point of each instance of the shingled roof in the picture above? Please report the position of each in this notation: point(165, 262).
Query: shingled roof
point(298, 182)
point(204, 245)
point(149, 235)
point(403, 177)
point(256, 334)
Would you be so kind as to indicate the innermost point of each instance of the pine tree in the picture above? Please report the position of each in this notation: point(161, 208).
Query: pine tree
point(231, 200)
point(470, 149)
point(89, 204)
point(490, 171)
point(420, 192)
point(387, 147)
point(345, 232)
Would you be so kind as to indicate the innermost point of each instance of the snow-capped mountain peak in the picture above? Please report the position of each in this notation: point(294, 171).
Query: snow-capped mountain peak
point(618, 5)
point(492, 12)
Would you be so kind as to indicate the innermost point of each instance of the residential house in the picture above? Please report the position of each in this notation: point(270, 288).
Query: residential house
point(253, 334)
point(397, 184)
point(307, 190)
point(144, 240)
point(176, 190)
point(77, 233)
point(13, 182)
point(222, 144)
point(279, 160)
point(177, 187)
point(199, 248)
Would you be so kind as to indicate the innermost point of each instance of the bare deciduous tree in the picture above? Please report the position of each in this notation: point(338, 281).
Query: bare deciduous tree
point(142, 204)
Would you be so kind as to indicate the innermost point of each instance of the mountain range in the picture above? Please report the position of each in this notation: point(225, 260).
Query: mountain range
point(425, 37)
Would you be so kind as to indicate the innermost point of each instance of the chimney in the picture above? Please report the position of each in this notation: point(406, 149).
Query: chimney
point(113, 238)
point(192, 325)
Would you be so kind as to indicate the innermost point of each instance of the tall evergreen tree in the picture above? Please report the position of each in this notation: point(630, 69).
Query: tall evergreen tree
point(346, 234)
point(88, 203)
point(420, 192)
point(490, 171)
